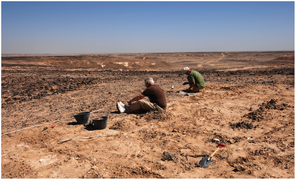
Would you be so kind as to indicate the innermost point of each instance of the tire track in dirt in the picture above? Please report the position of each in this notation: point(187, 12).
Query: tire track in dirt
point(212, 62)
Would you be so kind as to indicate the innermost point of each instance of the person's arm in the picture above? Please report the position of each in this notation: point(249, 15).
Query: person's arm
point(191, 86)
point(140, 96)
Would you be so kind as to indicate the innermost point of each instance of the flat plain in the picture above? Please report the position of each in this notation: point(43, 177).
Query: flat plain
point(248, 105)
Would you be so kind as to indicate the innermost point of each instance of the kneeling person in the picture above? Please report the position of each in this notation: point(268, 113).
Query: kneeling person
point(155, 95)
point(195, 80)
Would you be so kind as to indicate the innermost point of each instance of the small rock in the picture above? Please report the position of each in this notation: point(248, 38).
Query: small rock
point(232, 141)
point(8, 99)
point(54, 87)
point(240, 167)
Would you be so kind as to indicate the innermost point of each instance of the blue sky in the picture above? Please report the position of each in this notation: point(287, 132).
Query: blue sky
point(96, 27)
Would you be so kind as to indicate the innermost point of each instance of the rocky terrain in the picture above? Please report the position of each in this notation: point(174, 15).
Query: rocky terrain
point(248, 105)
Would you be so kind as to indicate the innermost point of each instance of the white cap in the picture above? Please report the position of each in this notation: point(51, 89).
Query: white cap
point(186, 69)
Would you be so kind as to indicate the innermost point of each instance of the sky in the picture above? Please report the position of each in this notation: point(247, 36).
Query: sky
point(100, 27)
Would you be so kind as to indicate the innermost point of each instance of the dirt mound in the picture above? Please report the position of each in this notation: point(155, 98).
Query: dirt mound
point(122, 125)
point(242, 125)
point(263, 112)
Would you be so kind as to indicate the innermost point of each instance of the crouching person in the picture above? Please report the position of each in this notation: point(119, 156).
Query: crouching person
point(155, 95)
point(195, 80)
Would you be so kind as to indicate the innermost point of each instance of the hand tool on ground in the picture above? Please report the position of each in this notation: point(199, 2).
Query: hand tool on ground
point(205, 162)
point(195, 156)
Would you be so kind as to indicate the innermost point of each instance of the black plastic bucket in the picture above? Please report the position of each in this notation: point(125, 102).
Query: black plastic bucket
point(82, 118)
point(100, 123)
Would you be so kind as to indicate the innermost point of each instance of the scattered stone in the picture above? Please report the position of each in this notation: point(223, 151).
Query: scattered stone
point(169, 157)
point(215, 140)
point(242, 125)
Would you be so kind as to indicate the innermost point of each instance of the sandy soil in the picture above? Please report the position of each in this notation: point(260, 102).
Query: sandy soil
point(248, 105)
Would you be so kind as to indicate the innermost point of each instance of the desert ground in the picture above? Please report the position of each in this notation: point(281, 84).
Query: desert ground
point(247, 105)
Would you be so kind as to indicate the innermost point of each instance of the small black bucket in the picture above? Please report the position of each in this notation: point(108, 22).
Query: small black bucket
point(82, 118)
point(100, 123)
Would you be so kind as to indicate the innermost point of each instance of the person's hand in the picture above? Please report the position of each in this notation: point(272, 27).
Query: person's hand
point(129, 103)
point(187, 90)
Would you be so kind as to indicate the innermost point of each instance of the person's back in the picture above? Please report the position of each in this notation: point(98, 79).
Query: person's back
point(196, 77)
point(153, 92)
point(156, 95)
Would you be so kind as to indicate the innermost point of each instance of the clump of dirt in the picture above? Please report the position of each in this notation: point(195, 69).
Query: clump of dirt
point(266, 151)
point(166, 156)
point(158, 115)
point(243, 125)
point(179, 159)
point(262, 112)
point(122, 125)
point(284, 162)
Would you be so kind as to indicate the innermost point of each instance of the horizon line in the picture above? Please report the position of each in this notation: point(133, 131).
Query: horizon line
point(65, 54)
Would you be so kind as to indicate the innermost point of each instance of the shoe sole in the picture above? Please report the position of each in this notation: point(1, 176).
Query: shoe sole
point(118, 107)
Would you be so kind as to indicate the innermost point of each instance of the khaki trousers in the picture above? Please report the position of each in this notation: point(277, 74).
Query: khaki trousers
point(196, 89)
point(142, 104)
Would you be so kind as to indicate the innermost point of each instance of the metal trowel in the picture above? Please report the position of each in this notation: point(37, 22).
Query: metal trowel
point(205, 162)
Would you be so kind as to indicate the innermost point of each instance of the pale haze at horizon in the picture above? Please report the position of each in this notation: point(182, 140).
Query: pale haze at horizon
point(146, 27)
